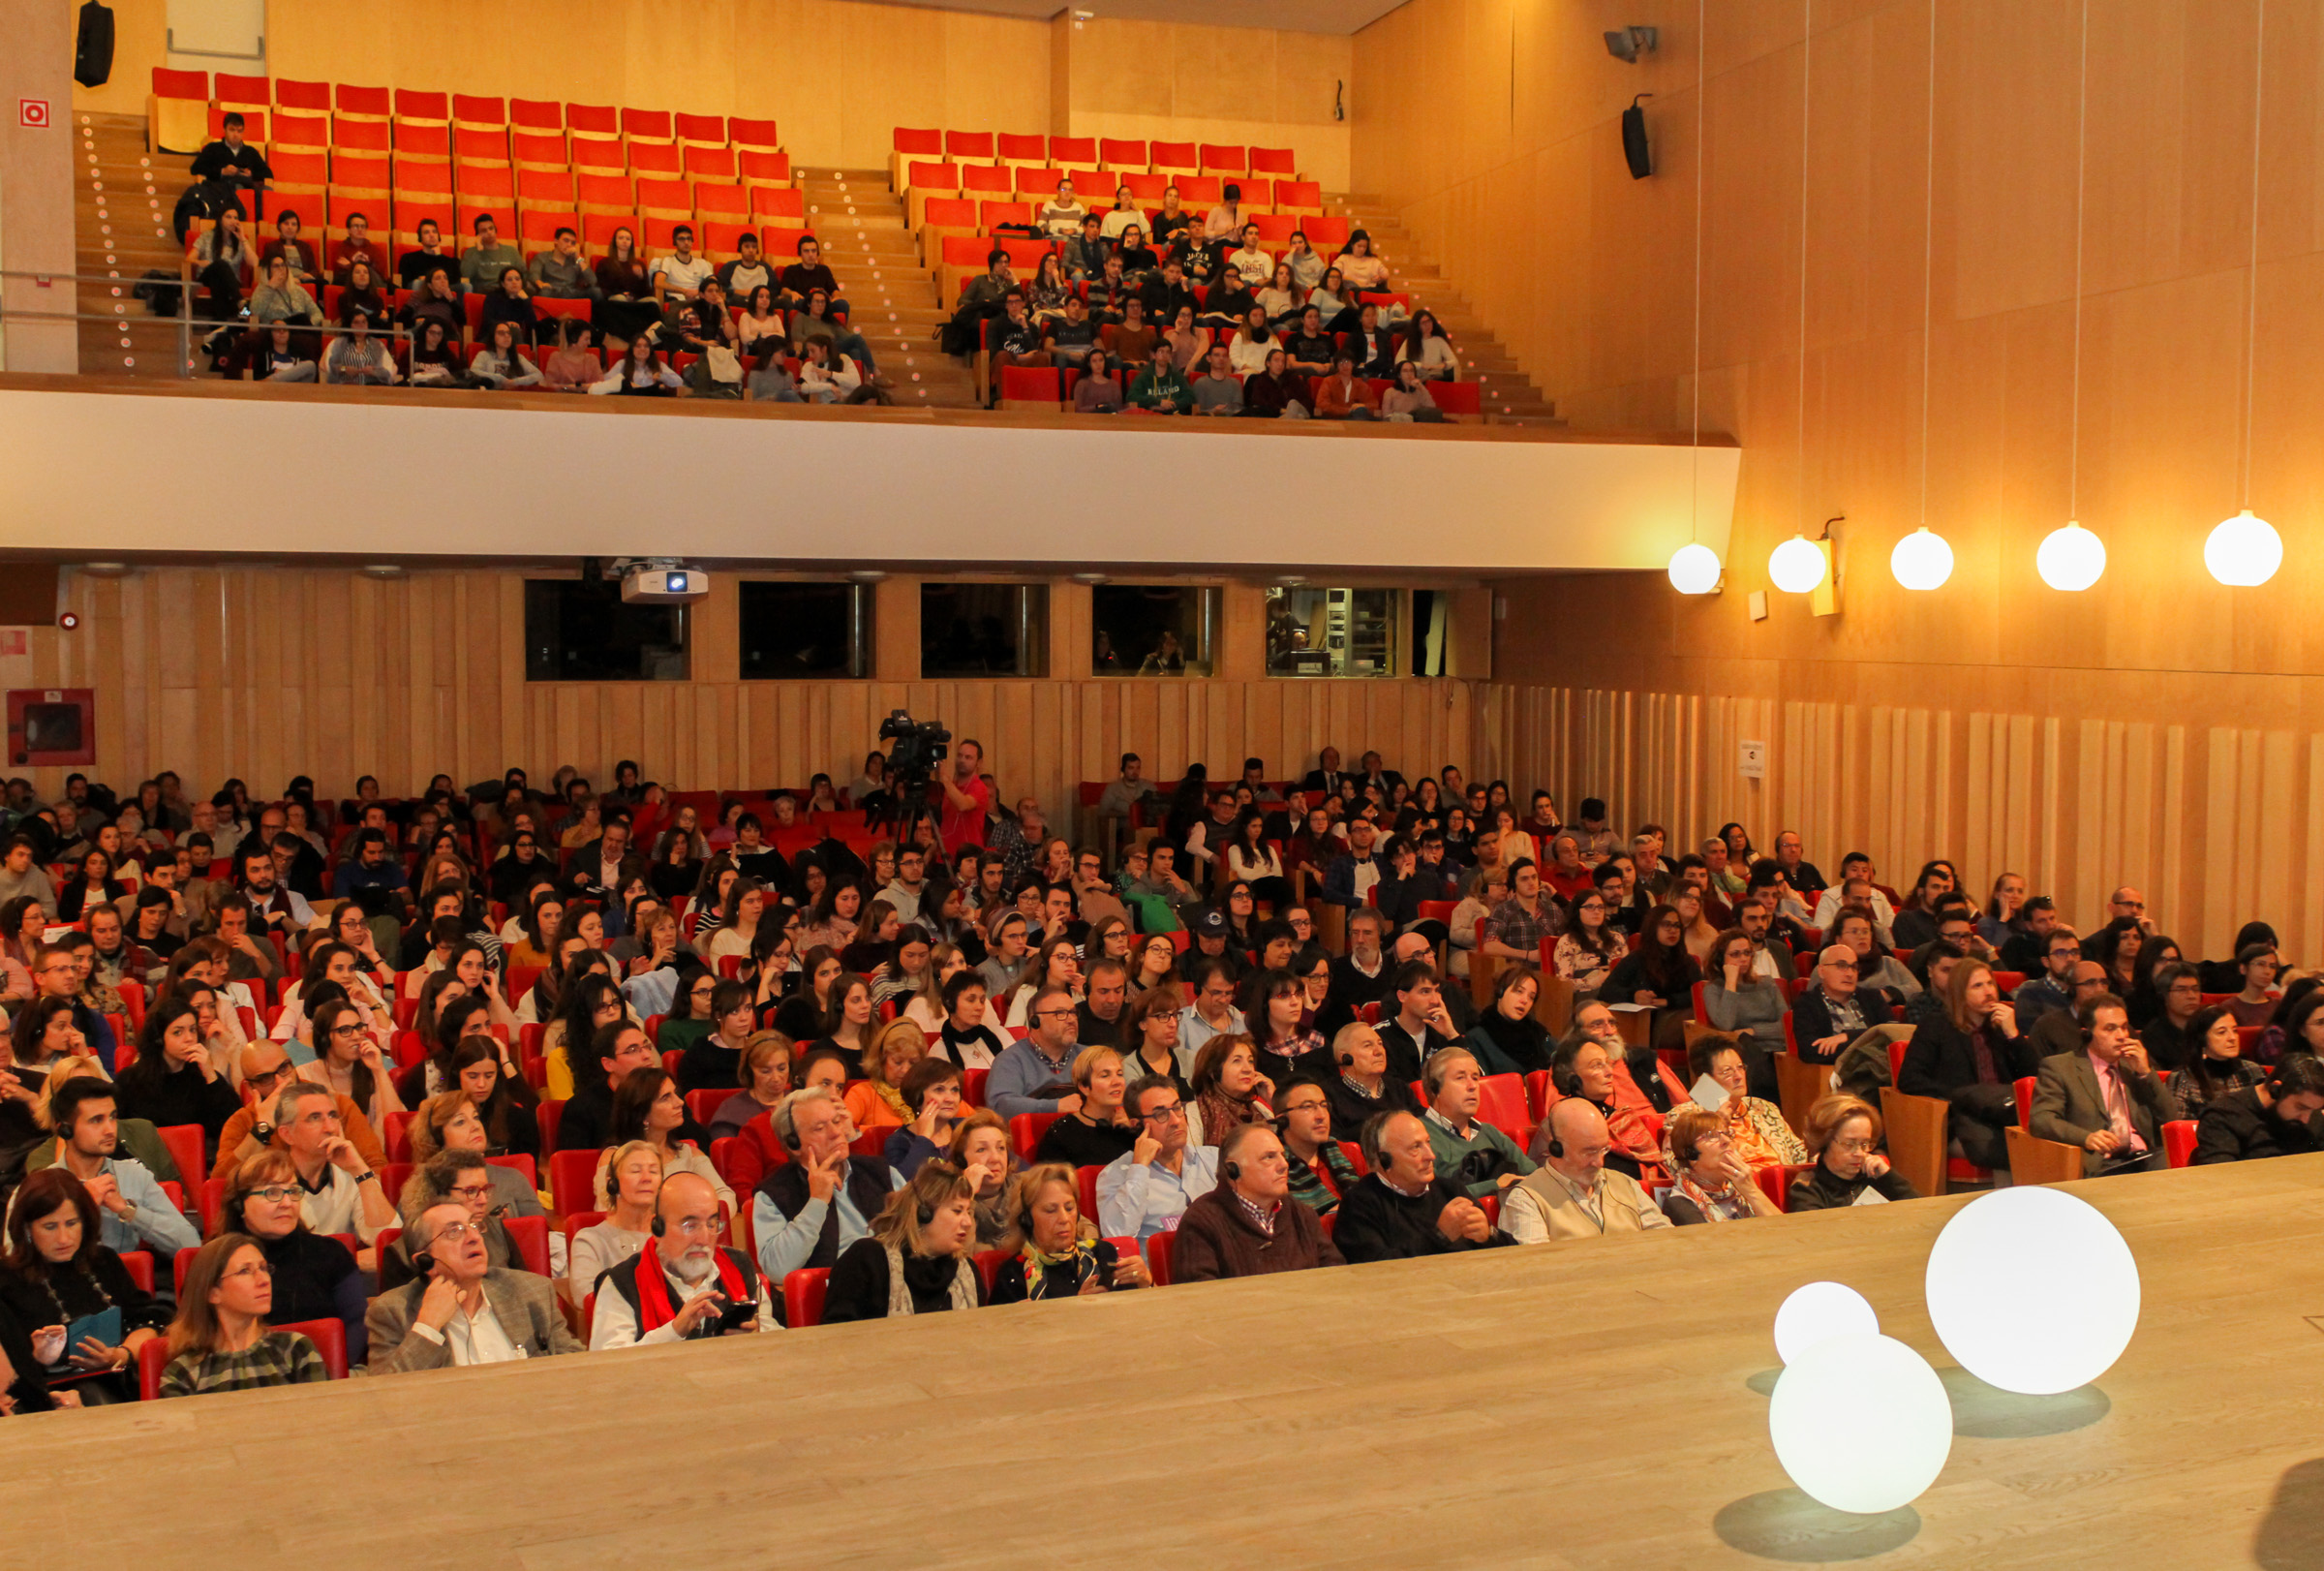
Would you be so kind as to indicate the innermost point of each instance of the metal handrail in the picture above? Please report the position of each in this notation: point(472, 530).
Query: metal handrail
point(388, 331)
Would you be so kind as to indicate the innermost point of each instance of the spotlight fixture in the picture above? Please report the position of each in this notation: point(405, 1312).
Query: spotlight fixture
point(1626, 44)
point(68, 620)
point(382, 569)
point(106, 569)
point(1093, 579)
point(867, 576)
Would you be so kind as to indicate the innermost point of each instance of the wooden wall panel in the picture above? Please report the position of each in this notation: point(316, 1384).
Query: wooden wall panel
point(266, 673)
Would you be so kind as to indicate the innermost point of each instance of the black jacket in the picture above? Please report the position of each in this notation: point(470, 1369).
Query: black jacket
point(1008, 1282)
point(1349, 1107)
point(1375, 1222)
point(1819, 1188)
point(1941, 1060)
point(858, 1289)
point(1812, 1020)
point(2237, 1128)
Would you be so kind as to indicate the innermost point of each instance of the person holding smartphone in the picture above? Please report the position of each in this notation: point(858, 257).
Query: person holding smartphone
point(1058, 1255)
point(682, 1286)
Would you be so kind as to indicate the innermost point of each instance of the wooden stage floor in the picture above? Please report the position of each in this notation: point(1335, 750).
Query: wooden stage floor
point(1583, 1406)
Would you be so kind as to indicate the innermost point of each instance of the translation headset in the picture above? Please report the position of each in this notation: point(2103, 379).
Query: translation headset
point(1347, 1060)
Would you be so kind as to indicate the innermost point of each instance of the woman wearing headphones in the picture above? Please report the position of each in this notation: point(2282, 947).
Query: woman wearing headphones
point(1058, 1255)
point(916, 1260)
point(1100, 1131)
point(1714, 1183)
point(636, 1170)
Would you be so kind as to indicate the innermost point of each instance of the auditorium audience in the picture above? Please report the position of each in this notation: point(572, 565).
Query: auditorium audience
point(2282, 1116)
point(809, 1209)
point(220, 1340)
point(916, 1257)
point(57, 1272)
point(1248, 1225)
point(1054, 1252)
point(1972, 1056)
point(1148, 1190)
point(464, 1309)
point(1401, 1207)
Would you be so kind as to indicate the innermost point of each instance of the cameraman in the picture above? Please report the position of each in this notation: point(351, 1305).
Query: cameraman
point(968, 799)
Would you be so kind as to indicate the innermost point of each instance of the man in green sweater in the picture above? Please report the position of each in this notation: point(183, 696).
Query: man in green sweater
point(1161, 388)
point(1474, 1153)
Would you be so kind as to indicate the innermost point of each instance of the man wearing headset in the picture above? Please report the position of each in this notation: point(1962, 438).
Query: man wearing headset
point(1577, 1196)
point(823, 1199)
point(2103, 1095)
point(1401, 1209)
point(463, 1309)
point(682, 1286)
point(1248, 1226)
point(1478, 1155)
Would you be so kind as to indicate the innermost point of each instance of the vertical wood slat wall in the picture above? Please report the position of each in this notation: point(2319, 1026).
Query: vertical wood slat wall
point(2215, 827)
point(270, 673)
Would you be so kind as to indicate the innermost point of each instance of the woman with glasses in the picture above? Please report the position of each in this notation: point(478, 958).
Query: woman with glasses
point(314, 1276)
point(1711, 1181)
point(1056, 1251)
point(1753, 1129)
point(454, 1120)
point(1588, 951)
point(348, 1059)
point(1843, 1137)
point(219, 1340)
point(59, 1272)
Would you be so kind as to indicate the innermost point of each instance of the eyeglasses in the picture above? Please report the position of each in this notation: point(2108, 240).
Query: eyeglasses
point(353, 1029)
point(1053, 1014)
point(257, 1268)
point(1852, 1148)
point(274, 1193)
point(1174, 1110)
point(471, 1191)
point(453, 1232)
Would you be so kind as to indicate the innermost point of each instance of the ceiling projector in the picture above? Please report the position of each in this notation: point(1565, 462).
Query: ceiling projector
point(663, 584)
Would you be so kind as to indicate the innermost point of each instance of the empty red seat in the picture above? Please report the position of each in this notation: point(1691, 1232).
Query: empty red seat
point(760, 163)
point(909, 139)
point(547, 188)
point(759, 134)
point(236, 92)
point(593, 119)
point(538, 227)
point(1079, 151)
point(703, 162)
point(301, 130)
point(1174, 155)
point(651, 124)
point(359, 172)
point(372, 102)
point(1148, 189)
point(656, 158)
point(949, 213)
point(1299, 193)
point(669, 197)
point(597, 230)
point(306, 97)
point(1116, 153)
point(922, 175)
point(988, 179)
point(1037, 180)
point(701, 130)
point(424, 178)
point(299, 166)
point(725, 202)
point(1275, 228)
point(254, 123)
point(601, 153)
point(721, 237)
point(1226, 159)
point(411, 104)
point(1326, 232)
point(428, 139)
point(1201, 191)
point(607, 193)
point(778, 201)
point(968, 144)
point(537, 114)
point(1457, 397)
point(802, 1297)
point(1275, 161)
point(471, 110)
point(485, 182)
point(990, 215)
point(1017, 149)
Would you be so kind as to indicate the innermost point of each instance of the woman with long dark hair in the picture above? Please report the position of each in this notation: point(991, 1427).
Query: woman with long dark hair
point(59, 1272)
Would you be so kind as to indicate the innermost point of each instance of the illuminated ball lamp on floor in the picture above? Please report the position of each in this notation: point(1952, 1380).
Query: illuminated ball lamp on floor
point(2032, 1290)
point(1816, 1312)
point(2244, 552)
point(1861, 1422)
point(1921, 560)
point(2070, 559)
point(1694, 570)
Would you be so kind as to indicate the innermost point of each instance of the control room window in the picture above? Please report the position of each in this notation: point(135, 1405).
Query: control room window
point(802, 631)
point(580, 629)
point(1332, 631)
point(984, 630)
point(1153, 629)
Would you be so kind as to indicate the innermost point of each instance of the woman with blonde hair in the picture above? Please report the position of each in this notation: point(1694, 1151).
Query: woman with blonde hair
point(876, 1101)
point(1056, 1252)
point(622, 1231)
point(980, 1150)
point(450, 1120)
point(916, 1260)
point(1100, 1129)
point(219, 1340)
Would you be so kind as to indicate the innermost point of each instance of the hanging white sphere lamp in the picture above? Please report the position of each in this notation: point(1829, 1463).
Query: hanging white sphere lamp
point(1796, 566)
point(1921, 560)
point(1694, 570)
point(2244, 552)
point(2070, 559)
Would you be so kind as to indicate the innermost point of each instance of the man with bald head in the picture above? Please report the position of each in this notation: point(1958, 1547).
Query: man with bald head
point(1249, 1226)
point(1835, 1014)
point(268, 1071)
point(1400, 1209)
point(2128, 903)
point(1574, 1194)
point(682, 1286)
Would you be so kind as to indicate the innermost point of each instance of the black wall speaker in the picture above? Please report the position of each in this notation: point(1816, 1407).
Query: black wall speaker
point(1635, 151)
point(93, 50)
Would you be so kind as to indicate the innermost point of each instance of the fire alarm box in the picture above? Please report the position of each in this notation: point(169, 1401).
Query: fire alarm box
point(51, 725)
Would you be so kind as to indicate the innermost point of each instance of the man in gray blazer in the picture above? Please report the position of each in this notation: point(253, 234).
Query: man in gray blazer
point(2104, 1096)
point(464, 1309)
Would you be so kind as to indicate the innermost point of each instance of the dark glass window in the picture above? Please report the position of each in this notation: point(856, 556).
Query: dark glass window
point(984, 630)
point(579, 630)
point(801, 630)
point(1152, 630)
point(1331, 632)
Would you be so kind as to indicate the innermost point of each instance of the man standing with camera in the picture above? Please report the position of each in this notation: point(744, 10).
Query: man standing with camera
point(968, 799)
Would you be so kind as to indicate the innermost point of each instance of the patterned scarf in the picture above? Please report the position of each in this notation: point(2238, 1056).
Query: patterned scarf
point(1076, 1262)
point(1720, 1206)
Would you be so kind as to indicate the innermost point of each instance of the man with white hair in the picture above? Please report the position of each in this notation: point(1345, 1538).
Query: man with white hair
point(462, 1309)
point(1401, 1209)
point(823, 1199)
point(682, 1286)
point(1574, 1194)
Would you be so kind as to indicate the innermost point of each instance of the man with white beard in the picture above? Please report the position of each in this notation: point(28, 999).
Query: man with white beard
point(682, 1286)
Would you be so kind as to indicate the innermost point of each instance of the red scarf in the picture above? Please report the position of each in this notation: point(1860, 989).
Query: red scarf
point(653, 1306)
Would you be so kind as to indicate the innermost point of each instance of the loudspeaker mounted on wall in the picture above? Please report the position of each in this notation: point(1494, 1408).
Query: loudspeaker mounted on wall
point(93, 45)
point(1635, 151)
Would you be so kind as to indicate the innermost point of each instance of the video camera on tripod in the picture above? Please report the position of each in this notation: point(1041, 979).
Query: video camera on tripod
point(920, 745)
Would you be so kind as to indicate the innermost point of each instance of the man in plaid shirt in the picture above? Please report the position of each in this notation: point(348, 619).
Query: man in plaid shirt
point(1516, 928)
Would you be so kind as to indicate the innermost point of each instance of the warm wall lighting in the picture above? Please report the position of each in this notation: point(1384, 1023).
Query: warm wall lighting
point(2244, 552)
point(1921, 560)
point(1694, 570)
point(1796, 566)
point(2070, 559)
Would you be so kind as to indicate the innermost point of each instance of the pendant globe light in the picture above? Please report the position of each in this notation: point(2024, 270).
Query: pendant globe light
point(1695, 567)
point(2072, 558)
point(2244, 552)
point(1796, 566)
point(1922, 561)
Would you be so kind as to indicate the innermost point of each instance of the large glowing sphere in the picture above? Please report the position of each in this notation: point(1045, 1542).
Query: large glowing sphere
point(1796, 566)
point(1861, 1422)
point(2070, 559)
point(2243, 551)
point(1921, 560)
point(1819, 1310)
point(1694, 570)
point(2032, 1290)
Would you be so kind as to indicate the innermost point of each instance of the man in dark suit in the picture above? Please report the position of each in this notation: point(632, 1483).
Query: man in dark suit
point(607, 862)
point(1370, 772)
point(1324, 779)
point(1832, 1013)
point(2104, 1095)
point(1975, 1068)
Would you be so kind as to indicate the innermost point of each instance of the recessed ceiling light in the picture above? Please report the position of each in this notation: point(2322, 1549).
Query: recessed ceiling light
point(104, 569)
